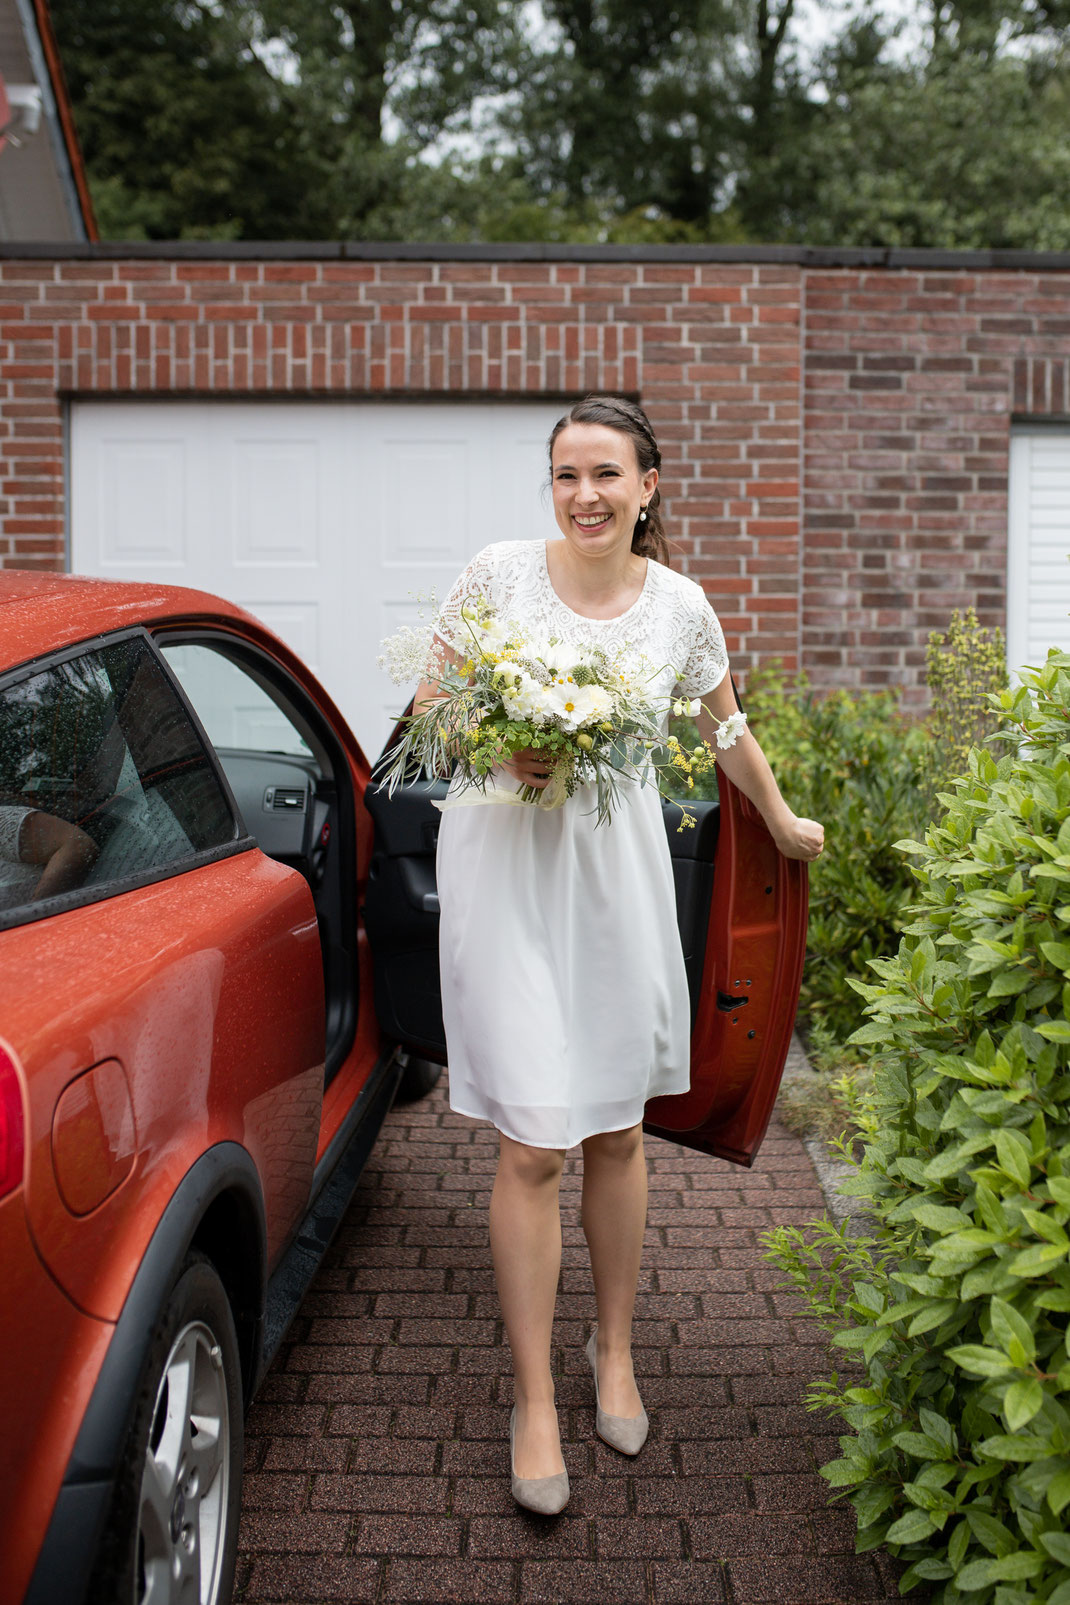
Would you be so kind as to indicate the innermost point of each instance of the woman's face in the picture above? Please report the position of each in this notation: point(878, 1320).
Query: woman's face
point(597, 487)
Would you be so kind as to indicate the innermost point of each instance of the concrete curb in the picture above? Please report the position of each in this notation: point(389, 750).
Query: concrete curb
point(831, 1172)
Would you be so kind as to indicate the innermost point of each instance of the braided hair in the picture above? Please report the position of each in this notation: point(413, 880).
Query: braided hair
point(648, 537)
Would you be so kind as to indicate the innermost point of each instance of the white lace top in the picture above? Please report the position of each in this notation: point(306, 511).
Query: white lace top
point(17, 880)
point(671, 622)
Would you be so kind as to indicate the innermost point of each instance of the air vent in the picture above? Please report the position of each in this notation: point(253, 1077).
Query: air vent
point(291, 798)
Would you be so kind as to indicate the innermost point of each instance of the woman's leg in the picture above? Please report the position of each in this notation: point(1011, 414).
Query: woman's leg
point(525, 1241)
point(613, 1214)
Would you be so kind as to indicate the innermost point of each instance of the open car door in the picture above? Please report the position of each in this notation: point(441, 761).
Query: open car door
point(742, 911)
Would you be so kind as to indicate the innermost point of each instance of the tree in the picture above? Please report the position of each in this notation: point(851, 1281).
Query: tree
point(570, 120)
point(377, 83)
point(185, 133)
point(960, 150)
point(624, 109)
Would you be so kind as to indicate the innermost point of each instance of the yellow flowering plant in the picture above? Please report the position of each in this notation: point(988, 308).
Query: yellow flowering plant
point(589, 710)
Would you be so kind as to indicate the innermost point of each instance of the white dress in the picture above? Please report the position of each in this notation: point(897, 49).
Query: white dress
point(564, 994)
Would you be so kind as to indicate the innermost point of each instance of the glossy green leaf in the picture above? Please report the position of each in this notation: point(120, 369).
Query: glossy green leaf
point(979, 1360)
point(1057, 1545)
point(990, 1532)
point(911, 1528)
point(1014, 1155)
point(1008, 1324)
point(1009, 1569)
point(1035, 1261)
point(1021, 1402)
point(1058, 1492)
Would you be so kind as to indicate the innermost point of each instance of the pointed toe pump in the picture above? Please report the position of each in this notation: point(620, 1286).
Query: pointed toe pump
point(544, 1495)
point(626, 1433)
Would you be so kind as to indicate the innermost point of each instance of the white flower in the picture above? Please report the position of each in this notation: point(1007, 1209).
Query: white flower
point(406, 655)
point(574, 706)
point(494, 635)
point(507, 673)
point(527, 699)
point(730, 729)
point(596, 703)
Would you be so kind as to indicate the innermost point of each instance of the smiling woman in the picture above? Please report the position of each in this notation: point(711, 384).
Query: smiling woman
point(564, 990)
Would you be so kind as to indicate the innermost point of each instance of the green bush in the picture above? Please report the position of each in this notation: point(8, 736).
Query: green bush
point(851, 760)
point(964, 668)
point(956, 1305)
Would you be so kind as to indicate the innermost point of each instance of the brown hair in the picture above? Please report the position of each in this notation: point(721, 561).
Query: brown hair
point(648, 537)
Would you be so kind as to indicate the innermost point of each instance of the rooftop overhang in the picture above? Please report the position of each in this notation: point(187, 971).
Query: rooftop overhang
point(44, 195)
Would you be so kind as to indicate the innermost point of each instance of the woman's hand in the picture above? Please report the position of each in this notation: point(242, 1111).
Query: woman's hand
point(800, 838)
point(530, 766)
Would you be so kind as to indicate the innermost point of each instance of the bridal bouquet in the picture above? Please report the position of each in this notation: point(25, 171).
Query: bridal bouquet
point(587, 709)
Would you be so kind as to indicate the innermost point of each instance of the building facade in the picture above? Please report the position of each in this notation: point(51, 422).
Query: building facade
point(854, 442)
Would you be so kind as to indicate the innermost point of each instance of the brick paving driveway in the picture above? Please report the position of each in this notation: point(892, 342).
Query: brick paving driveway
point(378, 1451)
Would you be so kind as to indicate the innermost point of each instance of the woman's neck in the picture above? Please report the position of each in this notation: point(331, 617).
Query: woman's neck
point(610, 580)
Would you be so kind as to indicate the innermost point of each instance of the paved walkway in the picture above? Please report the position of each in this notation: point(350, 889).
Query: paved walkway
point(378, 1449)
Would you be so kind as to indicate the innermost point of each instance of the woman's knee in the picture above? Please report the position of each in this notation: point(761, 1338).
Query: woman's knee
point(618, 1146)
point(535, 1167)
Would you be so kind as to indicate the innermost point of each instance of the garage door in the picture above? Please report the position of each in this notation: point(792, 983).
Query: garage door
point(328, 520)
point(1038, 547)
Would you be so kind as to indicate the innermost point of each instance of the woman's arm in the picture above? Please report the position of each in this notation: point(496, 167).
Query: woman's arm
point(66, 852)
point(747, 767)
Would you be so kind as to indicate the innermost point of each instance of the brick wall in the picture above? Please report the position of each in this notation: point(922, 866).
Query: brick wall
point(835, 439)
point(712, 350)
point(912, 379)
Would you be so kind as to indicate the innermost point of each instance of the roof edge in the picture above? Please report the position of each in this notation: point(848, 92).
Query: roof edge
point(65, 114)
point(877, 256)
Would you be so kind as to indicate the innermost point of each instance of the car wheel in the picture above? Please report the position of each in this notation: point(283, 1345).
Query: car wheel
point(172, 1533)
point(417, 1079)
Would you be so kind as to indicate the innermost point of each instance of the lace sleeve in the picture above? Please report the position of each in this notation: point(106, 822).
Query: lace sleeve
point(10, 831)
point(471, 585)
point(705, 657)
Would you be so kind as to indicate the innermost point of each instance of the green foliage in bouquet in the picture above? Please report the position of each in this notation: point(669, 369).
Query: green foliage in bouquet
point(957, 1304)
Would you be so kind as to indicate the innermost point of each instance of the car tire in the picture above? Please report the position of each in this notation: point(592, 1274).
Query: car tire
point(417, 1079)
point(173, 1527)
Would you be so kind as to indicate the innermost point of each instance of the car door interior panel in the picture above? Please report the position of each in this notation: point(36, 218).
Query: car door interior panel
point(401, 914)
point(693, 850)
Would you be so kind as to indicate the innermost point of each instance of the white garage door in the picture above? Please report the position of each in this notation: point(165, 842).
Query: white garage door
point(1038, 547)
point(326, 519)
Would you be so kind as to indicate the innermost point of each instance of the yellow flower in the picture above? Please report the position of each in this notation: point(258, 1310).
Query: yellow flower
point(585, 741)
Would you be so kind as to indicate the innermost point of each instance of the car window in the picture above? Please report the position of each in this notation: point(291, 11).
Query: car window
point(235, 710)
point(103, 777)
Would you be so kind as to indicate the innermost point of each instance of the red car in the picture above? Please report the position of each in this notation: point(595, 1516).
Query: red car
point(218, 968)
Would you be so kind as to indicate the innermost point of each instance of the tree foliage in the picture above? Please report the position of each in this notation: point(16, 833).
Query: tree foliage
point(571, 119)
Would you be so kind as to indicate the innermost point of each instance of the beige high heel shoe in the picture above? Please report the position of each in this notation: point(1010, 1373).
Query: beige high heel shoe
point(545, 1495)
point(626, 1433)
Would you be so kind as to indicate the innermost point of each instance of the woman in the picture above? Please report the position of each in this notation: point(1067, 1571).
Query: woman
point(565, 998)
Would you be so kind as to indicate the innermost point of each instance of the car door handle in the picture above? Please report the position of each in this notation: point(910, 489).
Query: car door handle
point(429, 903)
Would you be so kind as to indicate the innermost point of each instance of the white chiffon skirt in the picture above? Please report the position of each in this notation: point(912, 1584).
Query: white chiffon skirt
point(564, 994)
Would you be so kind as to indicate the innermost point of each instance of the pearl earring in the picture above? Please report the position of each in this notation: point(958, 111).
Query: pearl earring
point(642, 515)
